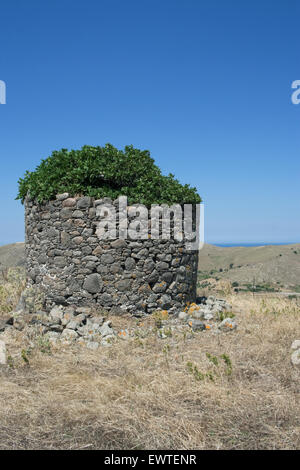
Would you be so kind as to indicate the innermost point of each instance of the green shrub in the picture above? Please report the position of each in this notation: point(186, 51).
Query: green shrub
point(228, 363)
point(105, 171)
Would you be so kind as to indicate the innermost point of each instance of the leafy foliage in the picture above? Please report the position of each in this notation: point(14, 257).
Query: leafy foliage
point(105, 172)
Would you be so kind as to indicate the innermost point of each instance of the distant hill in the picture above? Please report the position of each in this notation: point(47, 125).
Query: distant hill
point(269, 264)
point(12, 255)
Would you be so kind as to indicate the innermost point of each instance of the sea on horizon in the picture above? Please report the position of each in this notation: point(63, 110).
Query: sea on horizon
point(252, 244)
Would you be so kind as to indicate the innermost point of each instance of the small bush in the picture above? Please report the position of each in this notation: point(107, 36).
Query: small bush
point(105, 171)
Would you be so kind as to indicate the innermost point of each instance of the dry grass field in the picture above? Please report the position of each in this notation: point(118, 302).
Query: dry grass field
point(235, 390)
point(278, 265)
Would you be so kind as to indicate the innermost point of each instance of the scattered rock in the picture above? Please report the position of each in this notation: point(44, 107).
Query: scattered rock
point(97, 321)
point(198, 314)
point(5, 322)
point(92, 345)
point(208, 316)
point(85, 310)
point(76, 322)
point(57, 328)
point(295, 358)
point(56, 314)
point(69, 334)
point(53, 337)
point(105, 329)
point(3, 358)
point(197, 325)
point(72, 325)
point(227, 325)
point(19, 321)
point(124, 334)
point(165, 302)
point(67, 317)
point(84, 325)
point(296, 344)
point(183, 316)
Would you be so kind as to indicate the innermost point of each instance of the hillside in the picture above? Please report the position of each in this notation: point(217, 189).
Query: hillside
point(160, 382)
point(235, 390)
point(269, 264)
point(12, 255)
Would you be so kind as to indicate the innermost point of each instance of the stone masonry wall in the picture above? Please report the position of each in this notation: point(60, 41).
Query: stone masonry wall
point(67, 260)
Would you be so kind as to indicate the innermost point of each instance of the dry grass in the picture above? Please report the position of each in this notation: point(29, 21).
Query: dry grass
point(12, 283)
point(140, 394)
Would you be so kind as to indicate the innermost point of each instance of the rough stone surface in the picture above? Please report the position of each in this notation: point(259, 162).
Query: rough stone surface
point(69, 334)
point(56, 314)
point(72, 266)
point(227, 325)
point(105, 329)
point(197, 325)
point(296, 344)
point(183, 316)
point(93, 283)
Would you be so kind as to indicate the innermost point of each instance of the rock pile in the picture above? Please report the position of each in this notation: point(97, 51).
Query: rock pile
point(68, 324)
point(86, 326)
point(208, 313)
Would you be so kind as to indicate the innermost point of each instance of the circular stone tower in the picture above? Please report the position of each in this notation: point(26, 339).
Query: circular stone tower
point(68, 261)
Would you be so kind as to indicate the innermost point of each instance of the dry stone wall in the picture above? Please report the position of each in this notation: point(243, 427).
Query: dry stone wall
point(72, 266)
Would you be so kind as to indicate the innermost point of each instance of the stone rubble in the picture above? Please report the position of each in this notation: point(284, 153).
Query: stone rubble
point(71, 324)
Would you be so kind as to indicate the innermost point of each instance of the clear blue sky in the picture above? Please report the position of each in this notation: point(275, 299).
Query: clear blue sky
point(204, 85)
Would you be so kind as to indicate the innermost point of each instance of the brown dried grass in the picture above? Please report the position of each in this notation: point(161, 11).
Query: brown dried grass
point(140, 394)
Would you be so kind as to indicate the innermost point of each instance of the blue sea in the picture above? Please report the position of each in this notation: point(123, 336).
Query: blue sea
point(252, 244)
